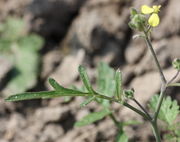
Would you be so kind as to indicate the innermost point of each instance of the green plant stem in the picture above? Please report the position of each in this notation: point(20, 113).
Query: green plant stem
point(174, 77)
point(143, 109)
point(116, 122)
point(149, 45)
point(158, 107)
point(163, 79)
point(156, 131)
point(124, 103)
point(173, 84)
point(162, 93)
point(137, 111)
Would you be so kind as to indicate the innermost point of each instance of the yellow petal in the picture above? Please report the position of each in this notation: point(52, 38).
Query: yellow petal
point(154, 20)
point(146, 9)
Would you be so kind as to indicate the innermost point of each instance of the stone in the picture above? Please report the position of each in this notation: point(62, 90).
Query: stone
point(50, 114)
point(5, 67)
point(166, 51)
point(135, 51)
point(15, 124)
point(173, 47)
point(67, 71)
point(138, 3)
point(52, 18)
point(50, 62)
point(170, 21)
point(98, 32)
point(51, 132)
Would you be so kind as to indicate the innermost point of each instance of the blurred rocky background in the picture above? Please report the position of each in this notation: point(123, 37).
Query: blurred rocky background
point(85, 32)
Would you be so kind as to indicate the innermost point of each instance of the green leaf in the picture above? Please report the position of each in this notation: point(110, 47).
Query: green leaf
point(26, 64)
point(169, 109)
point(131, 122)
point(13, 28)
point(31, 42)
point(45, 95)
point(22, 49)
point(86, 102)
point(56, 85)
point(85, 79)
point(92, 117)
point(121, 137)
point(106, 82)
point(5, 45)
point(118, 79)
point(174, 84)
point(170, 138)
point(26, 68)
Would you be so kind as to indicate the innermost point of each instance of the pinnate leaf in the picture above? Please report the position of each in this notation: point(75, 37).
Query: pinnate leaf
point(169, 109)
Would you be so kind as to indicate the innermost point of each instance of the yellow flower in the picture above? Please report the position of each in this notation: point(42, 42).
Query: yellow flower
point(154, 18)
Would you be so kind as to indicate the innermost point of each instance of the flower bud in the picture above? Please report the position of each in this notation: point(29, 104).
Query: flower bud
point(129, 94)
point(138, 21)
point(176, 64)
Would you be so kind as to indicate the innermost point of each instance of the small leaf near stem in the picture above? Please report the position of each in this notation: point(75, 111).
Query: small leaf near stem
point(85, 79)
point(119, 90)
point(89, 100)
point(174, 85)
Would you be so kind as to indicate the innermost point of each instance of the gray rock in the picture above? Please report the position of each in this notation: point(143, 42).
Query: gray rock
point(17, 7)
point(173, 47)
point(166, 51)
point(15, 124)
point(135, 51)
point(100, 27)
point(170, 21)
point(51, 18)
point(67, 71)
point(5, 67)
point(51, 132)
point(49, 62)
point(138, 3)
point(50, 114)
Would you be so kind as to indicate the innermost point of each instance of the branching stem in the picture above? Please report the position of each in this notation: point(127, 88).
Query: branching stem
point(163, 89)
point(145, 116)
point(174, 77)
point(143, 109)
